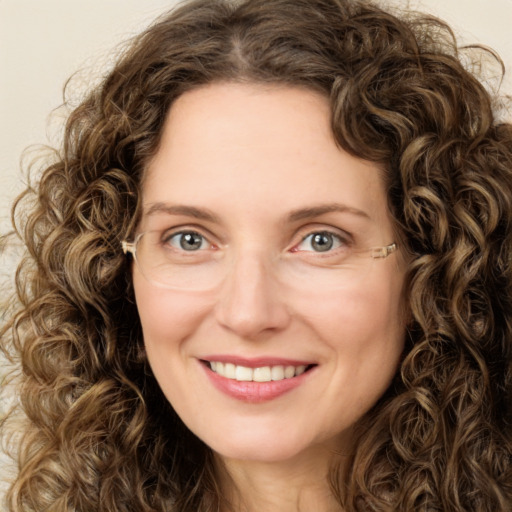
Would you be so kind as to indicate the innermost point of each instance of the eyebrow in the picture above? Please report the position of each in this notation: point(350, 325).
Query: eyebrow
point(317, 211)
point(294, 216)
point(188, 211)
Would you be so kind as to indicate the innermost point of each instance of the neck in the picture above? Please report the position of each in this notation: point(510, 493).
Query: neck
point(300, 484)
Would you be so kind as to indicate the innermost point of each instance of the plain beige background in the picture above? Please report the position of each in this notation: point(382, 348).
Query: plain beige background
point(43, 42)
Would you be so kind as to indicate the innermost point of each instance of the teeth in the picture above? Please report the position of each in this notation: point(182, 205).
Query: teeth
point(260, 374)
point(289, 372)
point(229, 371)
point(300, 370)
point(277, 372)
point(243, 373)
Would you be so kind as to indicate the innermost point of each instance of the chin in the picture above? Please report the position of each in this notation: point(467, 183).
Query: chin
point(272, 448)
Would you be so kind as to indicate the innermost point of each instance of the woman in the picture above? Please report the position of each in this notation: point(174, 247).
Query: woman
point(271, 271)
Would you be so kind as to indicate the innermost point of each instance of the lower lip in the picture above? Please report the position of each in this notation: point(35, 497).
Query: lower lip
point(254, 392)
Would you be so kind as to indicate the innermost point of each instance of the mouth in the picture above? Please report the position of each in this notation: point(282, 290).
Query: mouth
point(269, 373)
point(256, 380)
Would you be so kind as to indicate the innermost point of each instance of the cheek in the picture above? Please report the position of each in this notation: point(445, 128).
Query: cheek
point(365, 315)
point(365, 332)
point(370, 349)
point(166, 317)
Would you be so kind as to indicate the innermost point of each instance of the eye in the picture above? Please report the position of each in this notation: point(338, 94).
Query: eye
point(187, 241)
point(320, 241)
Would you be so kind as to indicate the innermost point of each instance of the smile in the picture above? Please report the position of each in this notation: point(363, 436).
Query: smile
point(258, 374)
point(256, 380)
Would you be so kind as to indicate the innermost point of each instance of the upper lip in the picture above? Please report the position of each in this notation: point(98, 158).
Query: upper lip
point(256, 362)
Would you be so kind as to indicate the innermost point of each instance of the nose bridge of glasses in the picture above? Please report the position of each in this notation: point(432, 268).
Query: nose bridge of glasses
point(251, 265)
point(250, 299)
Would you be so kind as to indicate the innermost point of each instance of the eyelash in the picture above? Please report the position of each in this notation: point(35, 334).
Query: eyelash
point(339, 240)
point(336, 240)
point(167, 238)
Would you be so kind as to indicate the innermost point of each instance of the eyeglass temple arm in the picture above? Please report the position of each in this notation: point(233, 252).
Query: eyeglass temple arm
point(128, 247)
point(383, 252)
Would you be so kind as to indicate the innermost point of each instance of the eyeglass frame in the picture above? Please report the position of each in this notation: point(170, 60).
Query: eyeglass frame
point(375, 252)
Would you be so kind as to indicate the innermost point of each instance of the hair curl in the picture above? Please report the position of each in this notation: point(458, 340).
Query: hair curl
point(98, 432)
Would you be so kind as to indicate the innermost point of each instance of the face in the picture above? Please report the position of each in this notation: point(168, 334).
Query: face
point(287, 331)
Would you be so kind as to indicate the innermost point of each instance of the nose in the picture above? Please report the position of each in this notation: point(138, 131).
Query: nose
point(251, 300)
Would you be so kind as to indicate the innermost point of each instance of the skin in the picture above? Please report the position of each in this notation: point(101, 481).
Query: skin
point(251, 155)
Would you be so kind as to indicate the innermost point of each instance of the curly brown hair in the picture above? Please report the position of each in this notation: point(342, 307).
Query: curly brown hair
point(98, 433)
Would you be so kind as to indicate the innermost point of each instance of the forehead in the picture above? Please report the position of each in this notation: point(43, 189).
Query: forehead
point(249, 146)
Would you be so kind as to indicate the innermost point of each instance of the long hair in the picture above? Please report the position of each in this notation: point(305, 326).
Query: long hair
point(98, 434)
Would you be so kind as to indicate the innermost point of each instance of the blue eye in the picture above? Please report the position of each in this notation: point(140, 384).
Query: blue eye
point(187, 241)
point(320, 241)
